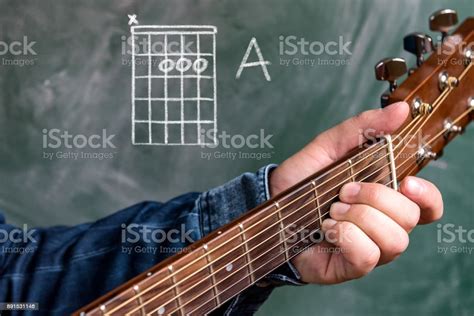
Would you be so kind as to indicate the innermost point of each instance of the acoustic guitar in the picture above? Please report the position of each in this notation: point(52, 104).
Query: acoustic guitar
point(215, 269)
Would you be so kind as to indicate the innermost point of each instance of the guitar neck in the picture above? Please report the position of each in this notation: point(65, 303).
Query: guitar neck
point(229, 260)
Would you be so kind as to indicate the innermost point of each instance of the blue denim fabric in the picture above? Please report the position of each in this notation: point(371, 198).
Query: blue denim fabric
point(68, 267)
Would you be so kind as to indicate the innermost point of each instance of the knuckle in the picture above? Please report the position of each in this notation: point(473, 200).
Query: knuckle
point(397, 245)
point(373, 257)
point(413, 216)
point(373, 192)
point(368, 262)
point(362, 212)
point(346, 229)
point(439, 214)
point(362, 117)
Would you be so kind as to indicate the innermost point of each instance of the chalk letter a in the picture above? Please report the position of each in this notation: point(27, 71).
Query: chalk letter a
point(261, 62)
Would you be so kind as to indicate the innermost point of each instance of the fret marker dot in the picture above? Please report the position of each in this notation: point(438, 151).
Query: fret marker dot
point(161, 311)
point(136, 288)
point(229, 267)
point(102, 307)
point(149, 274)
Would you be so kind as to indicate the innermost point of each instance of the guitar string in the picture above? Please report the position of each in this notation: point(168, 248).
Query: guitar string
point(283, 207)
point(436, 101)
point(317, 219)
point(445, 93)
point(442, 132)
point(320, 206)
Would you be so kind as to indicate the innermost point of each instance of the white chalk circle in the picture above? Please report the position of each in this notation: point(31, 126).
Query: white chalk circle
point(200, 65)
point(166, 65)
point(183, 64)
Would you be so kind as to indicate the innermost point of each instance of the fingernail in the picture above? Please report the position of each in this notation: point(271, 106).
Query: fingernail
point(350, 190)
point(339, 209)
point(328, 223)
point(414, 187)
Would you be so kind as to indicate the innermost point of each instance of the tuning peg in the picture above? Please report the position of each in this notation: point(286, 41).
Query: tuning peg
point(418, 44)
point(443, 20)
point(450, 128)
point(390, 69)
point(424, 152)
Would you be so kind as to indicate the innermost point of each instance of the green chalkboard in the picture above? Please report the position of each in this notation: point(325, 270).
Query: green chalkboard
point(78, 78)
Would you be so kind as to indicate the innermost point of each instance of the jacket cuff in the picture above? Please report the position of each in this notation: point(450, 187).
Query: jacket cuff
point(223, 204)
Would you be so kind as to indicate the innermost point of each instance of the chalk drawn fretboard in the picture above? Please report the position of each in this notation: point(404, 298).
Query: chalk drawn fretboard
point(174, 85)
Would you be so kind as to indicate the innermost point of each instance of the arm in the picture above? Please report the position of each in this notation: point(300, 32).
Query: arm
point(68, 267)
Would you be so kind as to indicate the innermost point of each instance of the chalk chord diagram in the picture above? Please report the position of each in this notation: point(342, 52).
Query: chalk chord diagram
point(174, 85)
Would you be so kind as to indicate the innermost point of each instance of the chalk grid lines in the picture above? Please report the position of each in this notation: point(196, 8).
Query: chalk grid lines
point(154, 117)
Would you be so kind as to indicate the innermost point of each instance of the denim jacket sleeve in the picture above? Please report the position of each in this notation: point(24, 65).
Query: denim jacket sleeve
point(63, 268)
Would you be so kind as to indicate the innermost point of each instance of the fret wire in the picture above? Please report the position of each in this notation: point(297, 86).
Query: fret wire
point(213, 276)
point(435, 107)
point(136, 290)
point(318, 207)
point(282, 229)
point(351, 170)
point(246, 247)
point(177, 297)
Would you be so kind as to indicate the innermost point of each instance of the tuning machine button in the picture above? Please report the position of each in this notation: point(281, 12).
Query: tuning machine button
point(447, 81)
point(450, 127)
point(442, 21)
point(418, 107)
point(418, 44)
point(424, 152)
point(468, 56)
point(390, 69)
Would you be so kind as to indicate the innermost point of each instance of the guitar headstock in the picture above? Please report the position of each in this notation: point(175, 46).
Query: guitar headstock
point(440, 90)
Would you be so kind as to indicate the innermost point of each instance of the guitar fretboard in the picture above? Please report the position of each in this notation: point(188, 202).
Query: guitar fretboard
point(237, 256)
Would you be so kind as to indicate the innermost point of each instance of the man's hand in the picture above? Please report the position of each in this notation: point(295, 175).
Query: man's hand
point(370, 224)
